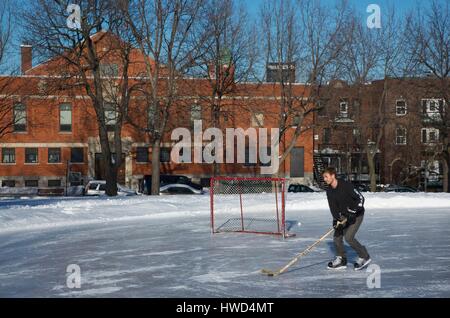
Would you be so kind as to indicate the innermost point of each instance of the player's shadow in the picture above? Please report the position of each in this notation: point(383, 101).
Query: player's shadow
point(307, 266)
point(290, 224)
point(351, 254)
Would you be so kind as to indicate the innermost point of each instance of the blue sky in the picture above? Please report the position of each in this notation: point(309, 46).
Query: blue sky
point(402, 7)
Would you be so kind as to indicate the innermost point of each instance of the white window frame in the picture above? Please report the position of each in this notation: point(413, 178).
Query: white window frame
point(400, 107)
point(111, 114)
point(343, 114)
point(65, 109)
point(20, 117)
point(399, 139)
point(436, 113)
point(428, 133)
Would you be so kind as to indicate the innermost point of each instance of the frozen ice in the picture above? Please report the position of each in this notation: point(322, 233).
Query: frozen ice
point(163, 247)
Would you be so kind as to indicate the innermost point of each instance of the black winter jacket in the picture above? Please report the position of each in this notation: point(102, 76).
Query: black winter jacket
point(345, 200)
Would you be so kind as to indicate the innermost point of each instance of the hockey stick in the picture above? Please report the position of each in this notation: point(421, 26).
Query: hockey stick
point(296, 258)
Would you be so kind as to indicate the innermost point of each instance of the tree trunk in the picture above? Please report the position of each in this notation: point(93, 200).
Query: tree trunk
point(111, 178)
point(216, 124)
point(109, 169)
point(372, 173)
point(446, 174)
point(156, 150)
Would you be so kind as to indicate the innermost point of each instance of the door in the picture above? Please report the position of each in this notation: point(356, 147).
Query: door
point(297, 162)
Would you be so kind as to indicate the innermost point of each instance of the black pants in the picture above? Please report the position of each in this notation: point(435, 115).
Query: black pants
point(349, 233)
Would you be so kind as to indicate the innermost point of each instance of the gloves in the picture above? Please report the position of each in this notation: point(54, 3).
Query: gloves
point(352, 213)
point(339, 224)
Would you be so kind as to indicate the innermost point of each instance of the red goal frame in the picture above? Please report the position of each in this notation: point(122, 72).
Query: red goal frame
point(280, 205)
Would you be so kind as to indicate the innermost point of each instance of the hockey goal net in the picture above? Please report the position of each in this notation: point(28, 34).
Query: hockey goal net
point(248, 205)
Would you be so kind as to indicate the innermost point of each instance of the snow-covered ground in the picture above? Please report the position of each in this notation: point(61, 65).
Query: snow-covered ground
point(162, 247)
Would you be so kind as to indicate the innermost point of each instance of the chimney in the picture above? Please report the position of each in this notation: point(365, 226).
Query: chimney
point(26, 51)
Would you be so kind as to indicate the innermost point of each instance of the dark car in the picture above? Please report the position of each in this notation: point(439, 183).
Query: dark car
point(299, 188)
point(166, 179)
point(178, 188)
point(361, 187)
point(397, 188)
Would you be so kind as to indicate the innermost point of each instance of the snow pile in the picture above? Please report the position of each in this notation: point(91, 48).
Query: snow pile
point(37, 213)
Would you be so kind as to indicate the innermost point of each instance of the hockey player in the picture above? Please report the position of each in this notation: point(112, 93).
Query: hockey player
point(347, 208)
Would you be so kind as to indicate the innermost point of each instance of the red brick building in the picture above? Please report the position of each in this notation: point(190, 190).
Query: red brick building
point(410, 142)
point(57, 134)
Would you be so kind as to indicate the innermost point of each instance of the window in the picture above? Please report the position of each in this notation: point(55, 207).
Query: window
point(400, 107)
point(400, 136)
point(9, 155)
point(343, 109)
point(9, 183)
point(109, 70)
point(296, 120)
point(321, 108)
point(110, 116)
point(326, 135)
point(54, 183)
point(141, 154)
point(20, 117)
point(65, 117)
point(31, 155)
point(257, 120)
point(196, 113)
point(164, 155)
point(432, 107)
point(54, 155)
point(430, 135)
point(76, 155)
point(31, 183)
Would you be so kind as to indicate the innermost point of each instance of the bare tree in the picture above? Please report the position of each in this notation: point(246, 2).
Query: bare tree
point(8, 85)
point(229, 54)
point(168, 33)
point(79, 60)
point(306, 35)
point(428, 37)
point(369, 54)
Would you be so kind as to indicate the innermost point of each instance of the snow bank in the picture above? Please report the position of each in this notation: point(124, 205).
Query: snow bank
point(41, 213)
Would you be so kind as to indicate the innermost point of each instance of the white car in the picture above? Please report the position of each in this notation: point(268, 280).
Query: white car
point(98, 187)
point(178, 188)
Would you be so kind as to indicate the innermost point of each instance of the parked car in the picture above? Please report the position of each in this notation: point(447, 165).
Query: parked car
point(179, 188)
point(98, 187)
point(361, 187)
point(398, 188)
point(166, 179)
point(299, 188)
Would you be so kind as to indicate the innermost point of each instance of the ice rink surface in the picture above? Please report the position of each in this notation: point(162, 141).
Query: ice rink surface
point(163, 247)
